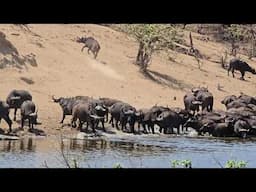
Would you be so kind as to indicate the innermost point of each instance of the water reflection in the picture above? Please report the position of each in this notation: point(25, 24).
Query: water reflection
point(120, 145)
point(152, 151)
point(21, 145)
point(75, 144)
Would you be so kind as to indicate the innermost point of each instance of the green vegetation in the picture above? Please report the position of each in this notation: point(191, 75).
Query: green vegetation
point(117, 166)
point(235, 164)
point(151, 38)
point(181, 164)
point(188, 164)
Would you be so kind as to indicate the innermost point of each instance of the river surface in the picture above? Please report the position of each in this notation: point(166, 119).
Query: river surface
point(135, 151)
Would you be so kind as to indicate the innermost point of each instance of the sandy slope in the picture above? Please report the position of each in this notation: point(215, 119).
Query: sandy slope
point(63, 70)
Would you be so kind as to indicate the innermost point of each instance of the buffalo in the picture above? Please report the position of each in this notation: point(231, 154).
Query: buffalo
point(247, 99)
point(16, 98)
point(108, 102)
point(151, 115)
point(125, 113)
point(141, 113)
point(169, 120)
point(67, 104)
point(92, 45)
point(236, 64)
point(190, 103)
point(223, 129)
point(28, 111)
point(206, 97)
point(83, 113)
point(228, 99)
point(99, 110)
point(4, 114)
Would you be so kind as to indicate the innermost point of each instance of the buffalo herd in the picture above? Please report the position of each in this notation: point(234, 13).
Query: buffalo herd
point(238, 120)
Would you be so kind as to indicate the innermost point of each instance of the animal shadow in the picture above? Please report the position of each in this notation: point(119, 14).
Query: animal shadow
point(37, 132)
point(109, 132)
point(27, 80)
point(166, 80)
point(103, 62)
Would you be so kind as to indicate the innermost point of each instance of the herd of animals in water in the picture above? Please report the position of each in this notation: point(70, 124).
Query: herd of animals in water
point(239, 119)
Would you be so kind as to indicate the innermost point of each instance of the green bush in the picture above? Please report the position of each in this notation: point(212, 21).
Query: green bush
point(181, 164)
point(235, 164)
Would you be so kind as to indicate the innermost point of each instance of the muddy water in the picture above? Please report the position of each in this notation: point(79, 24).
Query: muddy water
point(136, 151)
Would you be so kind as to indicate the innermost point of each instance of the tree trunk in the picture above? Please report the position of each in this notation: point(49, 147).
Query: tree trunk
point(143, 58)
point(253, 48)
point(139, 58)
point(233, 48)
point(191, 41)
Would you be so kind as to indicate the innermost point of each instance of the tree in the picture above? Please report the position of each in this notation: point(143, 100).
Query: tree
point(251, 34)
point(195, 52)
point(151, 38)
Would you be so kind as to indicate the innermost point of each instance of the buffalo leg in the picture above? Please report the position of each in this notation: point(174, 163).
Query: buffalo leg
point(93, 128)
point(160, 129)
point(87, 125)
point(178, 129)
point(103, 127)
point(73, 122)
point(95, 54)
point(233, 71)
point(152, 128)
point(63, 117)
point(22, 122)
point(106, 118)
point(80, 125)
point(123, 123)
point(88, 51)
point(144, 128)
point(29, 123)
point(132, 128)
point(9, 122)
point(242, 75)
point(15, 112)
point(117, 124)
point(83, 48)
point(0, 119)
point(97, 123)
point(111, 120)
point(139, 127)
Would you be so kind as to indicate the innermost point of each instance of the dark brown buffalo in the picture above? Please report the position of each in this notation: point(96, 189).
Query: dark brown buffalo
point(190, 103)
point(4, 114)
point(83, 113)
point(202, 94)
point(67, 104)
point(236, 64)
point(16, 98)
point(125, 113)
point(28, 112)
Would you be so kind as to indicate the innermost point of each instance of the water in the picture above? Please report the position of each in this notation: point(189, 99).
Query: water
point(137, 151)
